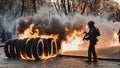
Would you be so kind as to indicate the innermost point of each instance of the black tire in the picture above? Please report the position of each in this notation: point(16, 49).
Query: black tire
point(54, 47)
point(29, 48)
point(12, 48)
point(17, 45)
point(58, 45)
point(49, 45)
point(40, 48)
point(35, 48)
point(23, 48)
point(46, 52)
point(6, 49)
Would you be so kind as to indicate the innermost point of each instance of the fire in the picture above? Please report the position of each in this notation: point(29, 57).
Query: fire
point(116, 40)
point(72, 41)
point(28, 33)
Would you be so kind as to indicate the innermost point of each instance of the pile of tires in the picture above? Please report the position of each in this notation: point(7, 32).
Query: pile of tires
point(34, 48)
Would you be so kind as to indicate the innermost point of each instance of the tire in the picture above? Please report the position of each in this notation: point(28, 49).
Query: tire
point(54, 47)
point(6, 49)
point(12, 48)
point(35, 48)
point(40, 48)
point(17, 45)
point(46, 52)
point(49, 45)
point(58, 45)
point(29, 48)
point(23, 48)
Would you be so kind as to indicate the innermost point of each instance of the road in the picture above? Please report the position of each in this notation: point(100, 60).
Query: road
point(57, 62)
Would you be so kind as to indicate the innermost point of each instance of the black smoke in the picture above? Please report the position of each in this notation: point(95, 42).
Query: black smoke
point(53, 25)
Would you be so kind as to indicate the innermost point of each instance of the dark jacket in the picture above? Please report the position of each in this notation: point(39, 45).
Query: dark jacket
point(91, 35)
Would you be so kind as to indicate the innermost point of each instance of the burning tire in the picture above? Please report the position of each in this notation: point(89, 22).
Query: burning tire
point(35, 48)
point(17, 46)
point(23, 48)
point(54, 44)
point(40, 48)
point(7, 49)
point(58, 45)
point(45, 44)
point(28, 48)
point(13, 48)
point(49, 44)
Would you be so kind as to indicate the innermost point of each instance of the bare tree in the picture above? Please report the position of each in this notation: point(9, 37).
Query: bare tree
point(64, 6)
point(84, 7)
point(34, 5)
point(69, 5)
point(22, 8)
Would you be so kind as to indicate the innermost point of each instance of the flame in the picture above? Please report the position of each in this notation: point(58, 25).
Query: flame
point(116, 40)
point(72, 41)
point(28, 33)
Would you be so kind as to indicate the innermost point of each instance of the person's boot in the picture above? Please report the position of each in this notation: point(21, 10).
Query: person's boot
point(94, 61)
point(88, 61)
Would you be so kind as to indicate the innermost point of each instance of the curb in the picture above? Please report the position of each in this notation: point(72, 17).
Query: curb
point(1, 45)
point(100, 58)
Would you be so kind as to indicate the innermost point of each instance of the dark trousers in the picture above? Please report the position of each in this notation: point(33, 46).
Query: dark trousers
point(91, 50)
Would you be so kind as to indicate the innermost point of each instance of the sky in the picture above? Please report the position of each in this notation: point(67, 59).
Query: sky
point(118, 1)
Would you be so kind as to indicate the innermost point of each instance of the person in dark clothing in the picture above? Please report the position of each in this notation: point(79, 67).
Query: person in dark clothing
point(92, 37)
point(3, 36)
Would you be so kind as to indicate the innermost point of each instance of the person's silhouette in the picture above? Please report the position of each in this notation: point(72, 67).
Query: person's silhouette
point(92, 36)
point(3, 36)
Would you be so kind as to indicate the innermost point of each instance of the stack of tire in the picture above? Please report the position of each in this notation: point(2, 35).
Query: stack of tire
point(31, 48)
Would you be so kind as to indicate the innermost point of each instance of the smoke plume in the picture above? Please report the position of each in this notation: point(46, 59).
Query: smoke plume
point(56, 24)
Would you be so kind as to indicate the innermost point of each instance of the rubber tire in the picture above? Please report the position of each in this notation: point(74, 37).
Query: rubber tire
point(17, 45)
point(23, 47)
point(49, 45)
point(45, 47)
point(29, 48)
point(58, 45)
point(12, 48)
point(6, 50)
point(54, 48)
point(40, 48)
point(35, 48)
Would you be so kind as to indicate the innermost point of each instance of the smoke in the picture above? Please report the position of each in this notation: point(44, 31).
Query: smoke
point(107, 30)
point(56, 24)
point(7, 23)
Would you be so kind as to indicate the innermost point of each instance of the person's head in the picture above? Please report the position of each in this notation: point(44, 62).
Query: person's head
point(91, 24)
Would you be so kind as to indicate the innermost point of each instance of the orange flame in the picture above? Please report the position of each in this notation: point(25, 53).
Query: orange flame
point(116, 40)
point(72, 41)
point(29, 34)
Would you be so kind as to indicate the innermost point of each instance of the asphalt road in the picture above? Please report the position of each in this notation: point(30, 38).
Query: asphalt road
point(57, 62)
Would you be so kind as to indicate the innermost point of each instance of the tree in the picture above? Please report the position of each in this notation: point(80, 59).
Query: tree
point(34, 5)
point(22, 7)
